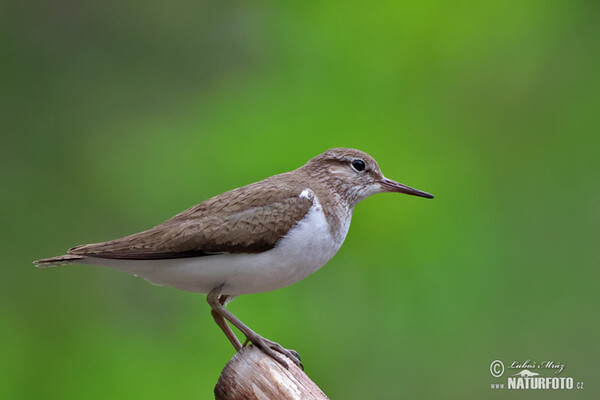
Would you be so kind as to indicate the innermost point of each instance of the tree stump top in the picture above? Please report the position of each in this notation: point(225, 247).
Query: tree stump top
point(253, 375)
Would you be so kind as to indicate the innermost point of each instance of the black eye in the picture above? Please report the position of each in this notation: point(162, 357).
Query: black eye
point(358, 165)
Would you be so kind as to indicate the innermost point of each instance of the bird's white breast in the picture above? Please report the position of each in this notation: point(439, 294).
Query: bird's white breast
point(303, 250)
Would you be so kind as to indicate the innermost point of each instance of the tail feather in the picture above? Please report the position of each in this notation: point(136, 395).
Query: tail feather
point(56, 261)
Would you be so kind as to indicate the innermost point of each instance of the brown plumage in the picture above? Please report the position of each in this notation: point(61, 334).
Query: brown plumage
point(250, 219)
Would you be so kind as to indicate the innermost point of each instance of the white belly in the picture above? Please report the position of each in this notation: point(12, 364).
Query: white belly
point(306, 248)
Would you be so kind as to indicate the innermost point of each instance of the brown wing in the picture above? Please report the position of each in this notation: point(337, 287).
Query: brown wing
point(250, 219)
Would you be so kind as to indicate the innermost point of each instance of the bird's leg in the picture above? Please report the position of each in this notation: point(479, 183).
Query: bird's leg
point(273, 349)
point(224, 327)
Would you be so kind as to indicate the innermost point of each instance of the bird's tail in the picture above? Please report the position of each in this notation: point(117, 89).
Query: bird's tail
point(56, 261)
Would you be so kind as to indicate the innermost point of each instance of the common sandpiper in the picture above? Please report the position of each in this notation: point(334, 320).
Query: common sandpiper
point(257, 238)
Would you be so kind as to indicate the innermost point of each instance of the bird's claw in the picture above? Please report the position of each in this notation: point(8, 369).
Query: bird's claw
point(275, 350)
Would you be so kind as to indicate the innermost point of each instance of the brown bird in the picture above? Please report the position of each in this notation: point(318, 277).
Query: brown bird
point(257, 238)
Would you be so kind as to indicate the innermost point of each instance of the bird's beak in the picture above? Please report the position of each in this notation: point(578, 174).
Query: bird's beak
point(389, 185)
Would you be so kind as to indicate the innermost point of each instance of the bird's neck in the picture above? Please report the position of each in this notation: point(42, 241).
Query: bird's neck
point(336, 207)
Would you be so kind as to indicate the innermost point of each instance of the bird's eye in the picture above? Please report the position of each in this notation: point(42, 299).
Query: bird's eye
point(358, 165)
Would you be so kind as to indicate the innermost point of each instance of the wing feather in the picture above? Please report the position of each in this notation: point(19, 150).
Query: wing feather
point(250, 219)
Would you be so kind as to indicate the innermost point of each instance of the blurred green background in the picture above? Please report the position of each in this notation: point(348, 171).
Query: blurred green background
point(114, 116)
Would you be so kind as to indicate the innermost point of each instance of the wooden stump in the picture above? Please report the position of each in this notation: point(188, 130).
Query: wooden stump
point(253, 375)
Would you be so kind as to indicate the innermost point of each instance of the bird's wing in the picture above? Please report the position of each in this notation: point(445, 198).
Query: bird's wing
point(244, 220)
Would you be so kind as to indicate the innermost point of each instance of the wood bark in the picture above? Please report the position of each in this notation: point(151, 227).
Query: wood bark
point(253, 375)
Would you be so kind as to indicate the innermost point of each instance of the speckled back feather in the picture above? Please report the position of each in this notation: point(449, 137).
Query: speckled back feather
point(250, 219)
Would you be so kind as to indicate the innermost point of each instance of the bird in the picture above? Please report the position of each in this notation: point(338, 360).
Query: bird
point(253, 239)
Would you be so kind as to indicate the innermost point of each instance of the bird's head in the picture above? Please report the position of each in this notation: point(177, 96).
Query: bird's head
point(355, 175)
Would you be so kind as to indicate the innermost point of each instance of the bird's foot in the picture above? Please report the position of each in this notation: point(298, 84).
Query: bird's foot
point(275, 350)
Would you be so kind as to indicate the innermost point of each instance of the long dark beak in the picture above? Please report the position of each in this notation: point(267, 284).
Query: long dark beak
point(393, 186)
